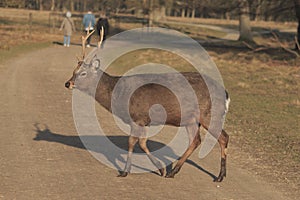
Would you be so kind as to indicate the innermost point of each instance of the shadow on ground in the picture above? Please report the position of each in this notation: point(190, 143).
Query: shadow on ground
point(259, 52)
point(120, 141)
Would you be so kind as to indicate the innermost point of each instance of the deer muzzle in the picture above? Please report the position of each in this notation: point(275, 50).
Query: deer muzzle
point(69, 85)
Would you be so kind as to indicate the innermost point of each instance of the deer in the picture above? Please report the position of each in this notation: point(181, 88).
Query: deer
point(152, 94)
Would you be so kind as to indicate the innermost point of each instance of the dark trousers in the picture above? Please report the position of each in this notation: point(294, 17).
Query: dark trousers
point(88, 41)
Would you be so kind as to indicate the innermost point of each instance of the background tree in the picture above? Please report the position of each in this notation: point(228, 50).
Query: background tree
point(52, 5)
point(245, 28)
point(297, 8)
point(276, 10)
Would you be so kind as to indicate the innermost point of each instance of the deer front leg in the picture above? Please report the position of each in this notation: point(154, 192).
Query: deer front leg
point(131, 143)
point(143, 145)
point(193, 130)
point(223, 141)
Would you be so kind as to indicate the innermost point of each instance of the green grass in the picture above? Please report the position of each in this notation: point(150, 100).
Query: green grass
point(193, 31)
point(140, 57)
point(21, 49)
point(264, 115)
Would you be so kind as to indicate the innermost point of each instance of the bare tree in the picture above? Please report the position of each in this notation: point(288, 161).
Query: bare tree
point(245, 28)
point(40, 3)
point(52, 5)
point(84, 5)
point(297, 8)
point(72, 5)
point(151, 13)
point(258, 10)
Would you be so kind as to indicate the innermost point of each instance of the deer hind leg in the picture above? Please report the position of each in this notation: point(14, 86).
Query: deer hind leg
point(131, 143)
point(143, 145)
point(195, 140)
point(223, 141)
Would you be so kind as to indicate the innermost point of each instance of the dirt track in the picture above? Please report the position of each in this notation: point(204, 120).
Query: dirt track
point(46, 161)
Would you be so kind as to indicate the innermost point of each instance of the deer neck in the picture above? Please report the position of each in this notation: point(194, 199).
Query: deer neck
point(104, 90)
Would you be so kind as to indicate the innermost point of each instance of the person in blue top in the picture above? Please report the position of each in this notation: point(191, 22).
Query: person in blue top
point(88, 24)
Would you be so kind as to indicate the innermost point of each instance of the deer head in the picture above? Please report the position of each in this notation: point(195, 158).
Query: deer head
point(85, 73)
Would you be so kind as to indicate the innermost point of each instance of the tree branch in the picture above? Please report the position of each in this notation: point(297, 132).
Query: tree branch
point(254, 49)
point(284, 47)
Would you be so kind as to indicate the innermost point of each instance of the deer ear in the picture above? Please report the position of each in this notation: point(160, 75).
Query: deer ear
point(96, 64)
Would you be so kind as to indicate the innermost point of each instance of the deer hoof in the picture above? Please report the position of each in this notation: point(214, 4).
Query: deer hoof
point(221, 176)
point(123, 174)
point(162, 171)
point(170, 175)
point(219, 179)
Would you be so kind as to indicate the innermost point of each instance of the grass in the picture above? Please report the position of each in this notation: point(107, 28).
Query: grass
point(195, 32)
point(264, 115)
point(140, 57)
point(21, 49)
point(256, 25)
point(17, 34)
point(18, 37)
point(263, 120)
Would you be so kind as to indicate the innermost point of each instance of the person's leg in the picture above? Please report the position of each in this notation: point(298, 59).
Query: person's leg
point(68, 40)
point(89, 40)
point(65, 40)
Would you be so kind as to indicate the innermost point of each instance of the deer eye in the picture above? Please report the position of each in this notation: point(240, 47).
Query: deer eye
point(83, 74)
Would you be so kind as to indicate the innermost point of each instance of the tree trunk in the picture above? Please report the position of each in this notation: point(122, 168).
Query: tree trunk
point(169, 8)
point(258, 16)
point(36, 4)
point(84, 6)
point(245, 28)
point(78, 5)
point(188, 13)
point(163, 11)
point(183, 12)
point(297, 8)
point(52, 5)
point(72, 5)
point(41, 4)
point(193, 13)
point(201, 11)
point(227, 15)
point(151, 13)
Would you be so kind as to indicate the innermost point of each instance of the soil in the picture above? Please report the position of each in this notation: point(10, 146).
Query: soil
point(41, 156)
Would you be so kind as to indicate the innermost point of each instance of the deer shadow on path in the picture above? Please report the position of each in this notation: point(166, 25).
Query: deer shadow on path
point(119, 141)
